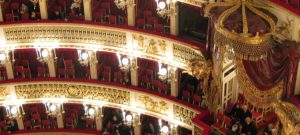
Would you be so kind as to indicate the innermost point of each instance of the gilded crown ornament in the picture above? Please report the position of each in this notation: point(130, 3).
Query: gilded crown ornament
point(244, 25)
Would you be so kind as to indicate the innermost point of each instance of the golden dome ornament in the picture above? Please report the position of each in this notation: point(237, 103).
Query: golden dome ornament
point(244, 25)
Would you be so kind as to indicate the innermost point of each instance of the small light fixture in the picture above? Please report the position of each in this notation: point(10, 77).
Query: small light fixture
point(165, 129)
point(129, 117)
point(163, 8)
point(123, 63)
point(83, 57)
point(53, 108)
point(162, 72)
point(91, 111)
point(14, 110)
point(2, 57)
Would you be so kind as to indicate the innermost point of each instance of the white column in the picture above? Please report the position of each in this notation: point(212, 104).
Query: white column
point(59, 119)
point(1, 14)
point(131, 14)
point(297, 87)
point(99, 123)
point(43, 9)
point(174, 81)
point(137, 125)
point(9, 70)
point(134, 72)
point(20, 123)
point(93, 65)
point(87, 6)
point(174, 21)
point(51, 65)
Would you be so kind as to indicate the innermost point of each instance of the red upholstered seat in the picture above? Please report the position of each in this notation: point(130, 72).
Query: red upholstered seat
point(46, 123)
point(42, 72)
point(159, 28)
point(90, 123)
point(68, 63)
point(155, 84)
point(9, 17)
point(140, 23)
point(70, 72)
point(27, 124)
point(226, 126)
point(98, 16)
point(61, 72)
point(15, 6)
point(197, 99)
point(118, 76)
point(112, 19)
point(186, 95)
point(163, 88)
point(219, 123)
point(25, 16)
point(147, 13)
point(106, 76)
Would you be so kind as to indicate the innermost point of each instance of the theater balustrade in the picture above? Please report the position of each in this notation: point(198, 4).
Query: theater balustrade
point(76, 66)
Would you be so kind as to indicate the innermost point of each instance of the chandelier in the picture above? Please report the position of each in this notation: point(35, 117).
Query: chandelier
point(123, 63)
point(163, 8)
point(83, 57)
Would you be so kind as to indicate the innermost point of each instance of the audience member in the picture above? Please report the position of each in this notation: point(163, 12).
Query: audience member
point(23, 9)
point(248, 127)
point(234, 130)
point(243, 113)
point(56, 15)
point(269, 130)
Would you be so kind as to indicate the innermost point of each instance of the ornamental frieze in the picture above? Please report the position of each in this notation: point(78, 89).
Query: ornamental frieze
point(152, 105)
point(106, 94)
point(3, 93)
point(183, 114)
point(149, 45)
point(59, 33)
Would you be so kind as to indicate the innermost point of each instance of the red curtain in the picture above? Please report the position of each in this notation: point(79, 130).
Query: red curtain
point(281, 64)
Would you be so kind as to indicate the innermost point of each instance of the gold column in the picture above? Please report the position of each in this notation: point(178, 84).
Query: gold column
point(134, 71)
point(99, 120)
point(9, 70)
point(1, 13)
point(297, 87)
point(20, 122)
point(137, 124)
point(174, 81)
point(131, 13)
point(87, 6)
point(60, 122)
point(51, 64)
point(43, 9)
point(93, 65)
point(174, 21)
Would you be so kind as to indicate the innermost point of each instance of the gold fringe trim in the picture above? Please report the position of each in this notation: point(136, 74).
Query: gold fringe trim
point(255, 96)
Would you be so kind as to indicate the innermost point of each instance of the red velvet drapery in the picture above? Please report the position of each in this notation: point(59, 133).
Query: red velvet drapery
point(280, 64)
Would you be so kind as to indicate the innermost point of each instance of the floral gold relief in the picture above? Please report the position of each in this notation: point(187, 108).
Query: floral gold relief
point(183, 114)
point(67, 33)
point(3, 93)
point(152, 105)
point(152, 46)
point(33, 91)
point(197, 130)
point(289, 118)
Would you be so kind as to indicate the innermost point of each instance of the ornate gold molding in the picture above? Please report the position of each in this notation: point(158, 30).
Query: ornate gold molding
point(65, 33)
point(197, 130)
point(289, 117)
point(255, 96)
point(32, 91)
point(3, 93)
point(152, 46)
point(152, 105)
point(185, 54)
point(183, 114)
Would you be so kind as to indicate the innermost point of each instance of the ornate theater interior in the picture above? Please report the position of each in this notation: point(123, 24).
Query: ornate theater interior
point(150, 67)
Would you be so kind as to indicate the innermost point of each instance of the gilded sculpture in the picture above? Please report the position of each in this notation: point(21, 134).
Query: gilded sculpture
point(199, 68)
point(154, 106)
point(283, 30)
point(289, 118)
point(3, 93)
point(151, 46)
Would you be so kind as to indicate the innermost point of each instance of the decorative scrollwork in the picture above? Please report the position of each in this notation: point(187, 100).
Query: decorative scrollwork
point(155, 47)
point(32, 91)
point(183, 114)
point(3, 93)
point(199, 68)
point(184, 53)
point(289, 116)
point(154, 106)
point(92, 35)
